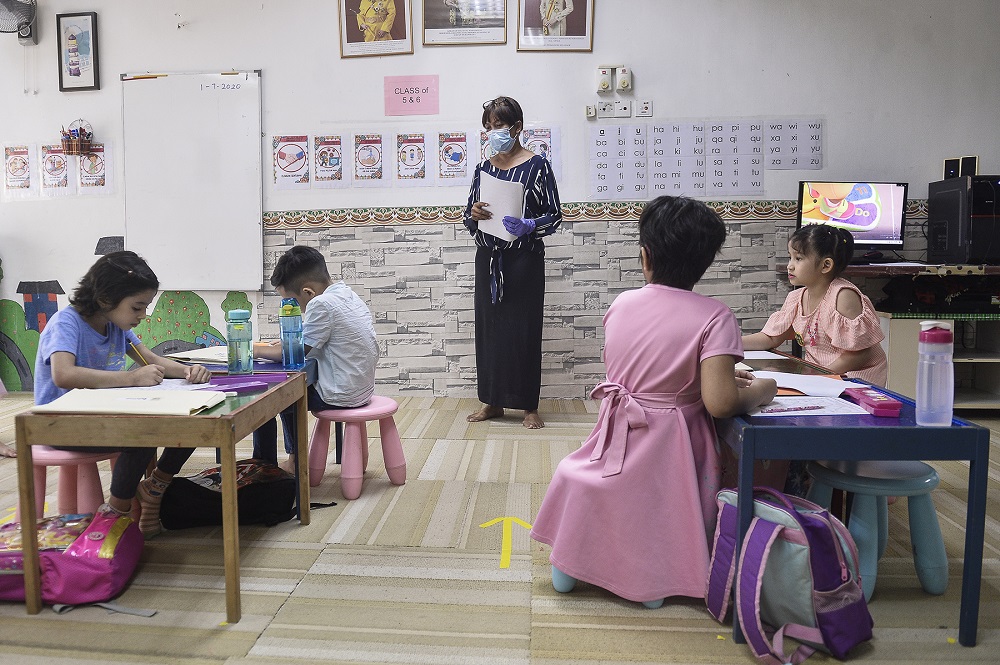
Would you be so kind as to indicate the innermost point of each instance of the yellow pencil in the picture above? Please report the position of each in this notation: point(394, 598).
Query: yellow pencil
point(138, 354)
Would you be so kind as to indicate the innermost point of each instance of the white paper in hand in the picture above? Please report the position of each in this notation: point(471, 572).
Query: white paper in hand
point(504, 198)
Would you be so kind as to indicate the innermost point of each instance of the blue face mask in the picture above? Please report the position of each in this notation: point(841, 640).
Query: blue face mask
point(500, 139)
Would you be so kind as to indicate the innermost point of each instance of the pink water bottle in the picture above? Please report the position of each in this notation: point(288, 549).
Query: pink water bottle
point(935, 374)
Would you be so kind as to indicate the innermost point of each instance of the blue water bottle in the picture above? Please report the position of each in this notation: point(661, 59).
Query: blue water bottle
point(239, 331)
point(292, 349)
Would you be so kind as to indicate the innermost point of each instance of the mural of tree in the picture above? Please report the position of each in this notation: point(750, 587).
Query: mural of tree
point(18, 348)
point(180, 321)
point(235, 300)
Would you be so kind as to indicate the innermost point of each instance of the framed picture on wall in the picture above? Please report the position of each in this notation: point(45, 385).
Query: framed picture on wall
point(79, 63)
point(375, 27)
point(555, 25)
point(465, 22)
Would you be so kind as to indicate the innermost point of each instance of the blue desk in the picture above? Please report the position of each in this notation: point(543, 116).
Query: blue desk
point(869, 438)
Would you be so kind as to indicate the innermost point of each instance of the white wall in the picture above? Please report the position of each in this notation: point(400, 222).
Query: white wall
point(901, 84)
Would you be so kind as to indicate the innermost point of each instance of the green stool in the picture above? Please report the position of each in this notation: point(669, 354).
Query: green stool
point(871, 482)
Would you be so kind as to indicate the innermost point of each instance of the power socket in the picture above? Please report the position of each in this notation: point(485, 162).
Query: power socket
point(591, 111)
point(644, 109)
point(623, 108)
point(605, 109)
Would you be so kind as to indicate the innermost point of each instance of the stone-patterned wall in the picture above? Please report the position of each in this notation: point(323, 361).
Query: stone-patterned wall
point(414, 267)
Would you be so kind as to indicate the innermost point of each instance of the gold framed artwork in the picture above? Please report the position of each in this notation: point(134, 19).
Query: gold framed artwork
point(448, 22)
point(555, 25)
point(375, 27)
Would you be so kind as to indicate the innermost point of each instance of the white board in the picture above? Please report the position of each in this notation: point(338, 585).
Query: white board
point(192, 151)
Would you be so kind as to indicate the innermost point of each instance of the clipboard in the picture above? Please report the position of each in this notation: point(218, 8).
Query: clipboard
point(505, 197)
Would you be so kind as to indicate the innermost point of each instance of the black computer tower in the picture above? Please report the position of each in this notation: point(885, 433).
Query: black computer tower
point(963, 220)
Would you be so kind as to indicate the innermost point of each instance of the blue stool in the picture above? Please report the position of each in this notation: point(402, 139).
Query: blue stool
point(871, 482)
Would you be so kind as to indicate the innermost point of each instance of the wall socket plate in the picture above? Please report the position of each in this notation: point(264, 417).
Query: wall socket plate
point(623, 108)
point(605, 109)
point(644, 109)
point(591, 111)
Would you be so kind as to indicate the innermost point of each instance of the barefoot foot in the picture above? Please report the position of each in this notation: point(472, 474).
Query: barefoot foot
point(288, 464)
point(532, 420)
point(485, 413)
point(7, 451)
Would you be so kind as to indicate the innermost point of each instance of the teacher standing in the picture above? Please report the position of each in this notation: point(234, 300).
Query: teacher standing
point(510, 274)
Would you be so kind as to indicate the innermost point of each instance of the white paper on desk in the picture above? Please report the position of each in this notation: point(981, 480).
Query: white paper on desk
point(169, 384)
point(216, 355)
point(761, 355)
point(135, 402)
point(814, 386)
point(744, 366)
point(827, 406)
point(504, 198)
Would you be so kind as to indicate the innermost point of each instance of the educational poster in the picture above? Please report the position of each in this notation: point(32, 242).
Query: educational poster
point(55, 171)
point(453, 158)
point(735, 157)
point(369, 160)
point(328, 162)
point(676, 164)
point(485, 151)
point(602, 159)
point(411, 160)
point(618, 163)
point(794, 144)
point(17, 181)
point(291, 163)
point(94, 174)
point(544, 141)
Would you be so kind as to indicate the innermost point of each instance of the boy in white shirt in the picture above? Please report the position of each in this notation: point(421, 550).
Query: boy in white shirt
point(338, 332)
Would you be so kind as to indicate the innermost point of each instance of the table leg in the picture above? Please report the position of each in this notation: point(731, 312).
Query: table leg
point(975, 523)
point(302, 457)
point(230, 532)
point(29, 526)
point(744, 499)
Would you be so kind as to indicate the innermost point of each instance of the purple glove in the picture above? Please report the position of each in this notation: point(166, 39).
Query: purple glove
point(517, 226)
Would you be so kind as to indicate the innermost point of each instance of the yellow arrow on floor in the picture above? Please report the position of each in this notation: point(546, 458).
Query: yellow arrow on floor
point(508, 535)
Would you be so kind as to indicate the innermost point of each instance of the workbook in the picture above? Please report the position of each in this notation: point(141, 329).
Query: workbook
point(133, 402)
point(206, 354)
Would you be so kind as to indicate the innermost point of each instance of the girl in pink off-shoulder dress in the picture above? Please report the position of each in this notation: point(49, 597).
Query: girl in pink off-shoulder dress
point(831, 319)
point(633, 509)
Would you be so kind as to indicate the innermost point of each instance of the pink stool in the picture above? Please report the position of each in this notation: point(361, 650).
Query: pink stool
point(355, 453)
point(80, 488)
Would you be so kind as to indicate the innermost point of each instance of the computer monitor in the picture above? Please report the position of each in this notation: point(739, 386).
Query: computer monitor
point(874, 212)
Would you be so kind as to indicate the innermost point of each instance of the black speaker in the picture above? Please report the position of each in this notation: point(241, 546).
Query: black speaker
point(970, 166)
point(951, 168)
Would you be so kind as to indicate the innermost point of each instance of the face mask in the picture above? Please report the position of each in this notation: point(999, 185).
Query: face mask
point(500, 139)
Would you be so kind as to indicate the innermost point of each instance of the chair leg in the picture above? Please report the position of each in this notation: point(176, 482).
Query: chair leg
point(562, 582)
point(883, 525)
point(69, 488)
point(39, 475)
point(364, 446)
point(351, 468)
point(392, 451)
point(89, 493)
point(863, 525)
point(820, 493)
point(929, 557)
point(319, 446)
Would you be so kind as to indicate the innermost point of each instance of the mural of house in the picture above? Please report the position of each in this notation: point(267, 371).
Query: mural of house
point(40, 302)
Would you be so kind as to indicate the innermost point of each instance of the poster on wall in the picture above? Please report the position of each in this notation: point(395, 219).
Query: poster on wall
point(453, 158)
point(555, 25)
point(544, 142)
point(375, 27)
point(328, 162)
point(369, 160)
point(17, 180)
point(76, 40)
point(94, 173)
point(55, 171)
point(411, 160)
point(290, 161)
point(465, 22)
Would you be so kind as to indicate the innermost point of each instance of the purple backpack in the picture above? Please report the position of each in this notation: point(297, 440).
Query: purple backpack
point(797, 577)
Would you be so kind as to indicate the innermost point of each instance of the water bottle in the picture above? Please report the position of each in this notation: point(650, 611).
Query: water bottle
point(292, 351)
point(935, 374)
point(239, 331)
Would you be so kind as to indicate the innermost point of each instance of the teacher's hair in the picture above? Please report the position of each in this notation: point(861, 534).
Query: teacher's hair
point(504, 109)
point(110, 280)
point(681, 238)
point(298, 266)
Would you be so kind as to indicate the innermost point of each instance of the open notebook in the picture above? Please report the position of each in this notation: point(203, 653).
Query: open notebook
point(207, 354)
point(134, 401)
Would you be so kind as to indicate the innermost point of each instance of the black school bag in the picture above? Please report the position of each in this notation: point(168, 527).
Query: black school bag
point(265, 494)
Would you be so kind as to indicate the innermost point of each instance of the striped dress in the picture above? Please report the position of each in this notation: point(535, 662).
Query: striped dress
point(510, 290)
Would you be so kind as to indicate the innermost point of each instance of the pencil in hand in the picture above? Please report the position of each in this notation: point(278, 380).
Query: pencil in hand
point(141, 358)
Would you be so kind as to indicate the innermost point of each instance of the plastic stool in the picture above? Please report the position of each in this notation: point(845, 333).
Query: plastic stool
point(355, 452)
point(871, 482)
point(80, 488)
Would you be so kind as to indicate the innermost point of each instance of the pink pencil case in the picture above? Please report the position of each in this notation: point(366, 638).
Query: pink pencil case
point(874, 402)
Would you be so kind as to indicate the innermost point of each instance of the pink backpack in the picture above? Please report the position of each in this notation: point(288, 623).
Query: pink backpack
point(84, 558)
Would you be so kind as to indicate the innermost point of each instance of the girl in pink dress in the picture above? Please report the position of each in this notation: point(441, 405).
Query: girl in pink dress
point(834, 322)
point(633, 509)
